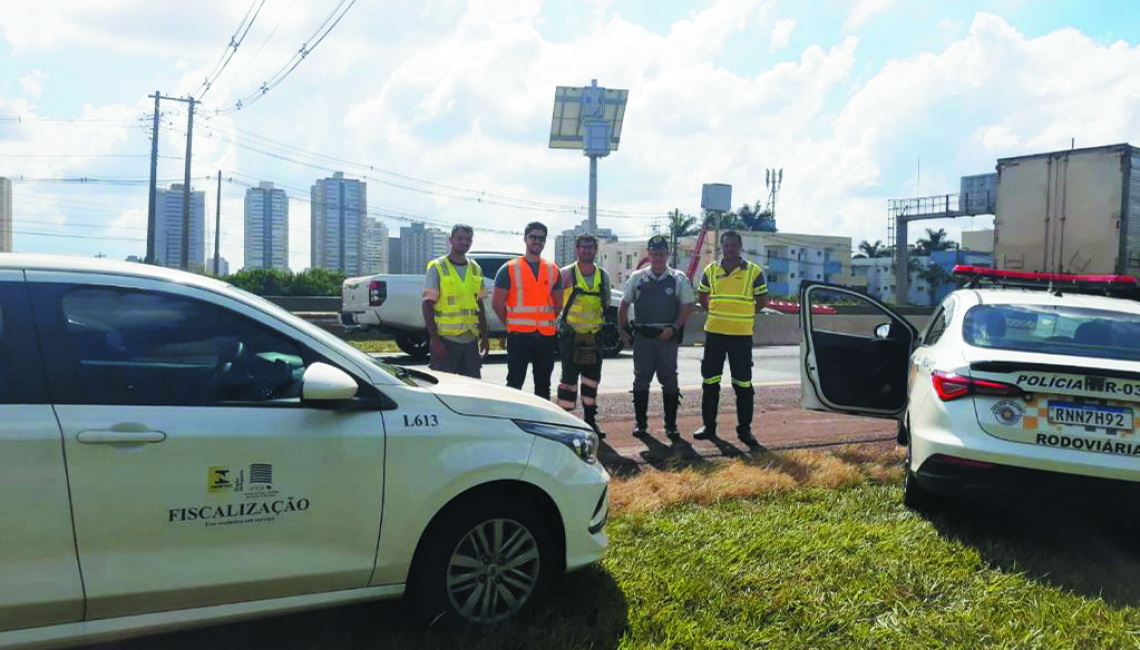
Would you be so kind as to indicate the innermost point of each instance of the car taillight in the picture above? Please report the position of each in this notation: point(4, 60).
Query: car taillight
point(950, 386)
point(377, 293)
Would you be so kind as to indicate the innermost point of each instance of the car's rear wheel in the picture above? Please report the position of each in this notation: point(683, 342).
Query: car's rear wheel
point(915, 496)
point(484, 565)
point(413, 345)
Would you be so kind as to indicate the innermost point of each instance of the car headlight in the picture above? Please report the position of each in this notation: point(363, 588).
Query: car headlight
point(583, 442)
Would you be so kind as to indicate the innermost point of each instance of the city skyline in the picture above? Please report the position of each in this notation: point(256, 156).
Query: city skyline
point(720, 91)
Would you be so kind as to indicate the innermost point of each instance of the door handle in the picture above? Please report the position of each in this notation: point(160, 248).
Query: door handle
point(120, 437)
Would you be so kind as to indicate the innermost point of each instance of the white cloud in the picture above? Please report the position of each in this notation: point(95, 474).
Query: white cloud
point(463, 94)
point(33, 83)
point(782, 34)
point(862, 10)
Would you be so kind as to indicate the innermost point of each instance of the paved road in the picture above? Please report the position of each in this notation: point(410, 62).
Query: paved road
point(779, 422)
point(773, 366)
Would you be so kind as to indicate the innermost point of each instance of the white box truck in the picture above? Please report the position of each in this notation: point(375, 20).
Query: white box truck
point(1075, 211)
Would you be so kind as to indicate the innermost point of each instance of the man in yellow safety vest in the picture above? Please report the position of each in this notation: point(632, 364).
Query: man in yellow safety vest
point(732, 290)
point(586, 294)
point(453, 308)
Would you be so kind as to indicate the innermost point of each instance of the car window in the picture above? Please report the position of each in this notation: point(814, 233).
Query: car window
point(21, 373)
point(491, 265)
point(1076, 331)
point(939, 323)
point(147, 348)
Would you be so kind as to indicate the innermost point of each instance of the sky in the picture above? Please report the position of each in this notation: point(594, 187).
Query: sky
point(444, 107)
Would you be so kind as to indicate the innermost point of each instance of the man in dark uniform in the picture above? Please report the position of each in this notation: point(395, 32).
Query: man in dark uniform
point(662, 299)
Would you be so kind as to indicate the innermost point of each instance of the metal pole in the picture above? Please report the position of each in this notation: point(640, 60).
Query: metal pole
point(592, 226)
point(185, 263)
point(218, 225)
point(902, 273)
point(150, 218)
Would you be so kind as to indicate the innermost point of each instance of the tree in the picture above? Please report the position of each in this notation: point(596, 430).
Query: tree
point(278, 282)
point(723, 221)
point(934, 276)
point(316, 282)
point(680, 225)
point(757, 219)
point(871, 250)
point(935, 240)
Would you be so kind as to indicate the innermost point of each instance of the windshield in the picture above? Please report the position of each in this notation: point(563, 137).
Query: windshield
point(323, 335)
point(1066, 330)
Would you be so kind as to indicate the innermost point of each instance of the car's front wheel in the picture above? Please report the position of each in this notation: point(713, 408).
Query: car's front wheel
point(484, 565)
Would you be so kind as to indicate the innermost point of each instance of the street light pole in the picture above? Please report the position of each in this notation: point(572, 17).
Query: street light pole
point(592, 225)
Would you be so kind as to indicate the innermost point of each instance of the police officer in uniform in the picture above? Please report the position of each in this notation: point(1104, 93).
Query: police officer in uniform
point(732, 290)
point(662, 300)
point(586, 294)
point(453, 308)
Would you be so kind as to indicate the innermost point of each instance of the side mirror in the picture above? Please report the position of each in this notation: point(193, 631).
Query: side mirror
point(325, 383)
point(882, 331)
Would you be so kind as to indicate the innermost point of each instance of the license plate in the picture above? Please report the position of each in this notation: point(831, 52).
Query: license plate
point(1090, 415)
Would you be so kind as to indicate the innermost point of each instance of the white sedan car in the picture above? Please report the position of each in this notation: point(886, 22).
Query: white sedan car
point(175, 451)
point(1021, 383)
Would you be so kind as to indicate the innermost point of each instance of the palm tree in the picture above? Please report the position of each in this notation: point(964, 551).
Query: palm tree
point(935, 240)
point(724, 221)
point(934, 276)
point(680, 225)
point(871, 250)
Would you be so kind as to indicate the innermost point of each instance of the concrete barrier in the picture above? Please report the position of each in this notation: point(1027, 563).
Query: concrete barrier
point(784, 329)
point(771, 329)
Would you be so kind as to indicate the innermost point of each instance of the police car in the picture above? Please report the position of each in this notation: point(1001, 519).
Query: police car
point(175, 451)
point(1021, 383)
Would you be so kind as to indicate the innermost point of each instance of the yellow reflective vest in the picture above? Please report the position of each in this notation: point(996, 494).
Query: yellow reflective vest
point(732, 298)
point(587, 314)
point(457, 310)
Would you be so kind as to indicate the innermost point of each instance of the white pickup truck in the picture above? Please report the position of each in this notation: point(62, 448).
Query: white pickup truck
point(390, 304)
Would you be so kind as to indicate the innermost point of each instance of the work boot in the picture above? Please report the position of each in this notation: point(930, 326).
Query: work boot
point(744, 404)
point(671, 402)
point(710, 402)
point(591, 418)
point(641, 413)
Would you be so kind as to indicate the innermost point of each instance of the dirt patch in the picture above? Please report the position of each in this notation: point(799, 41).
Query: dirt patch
point(756, 475)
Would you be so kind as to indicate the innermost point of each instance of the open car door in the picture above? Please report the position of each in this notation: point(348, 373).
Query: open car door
point(857, 360)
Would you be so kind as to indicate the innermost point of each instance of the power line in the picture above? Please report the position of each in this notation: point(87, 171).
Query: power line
point(83, 155)
point(231, 49)
point(20, 119)
point(294, 155)
point(259, 49)
point(68, 236)
point(90, 180)
point(292, 64)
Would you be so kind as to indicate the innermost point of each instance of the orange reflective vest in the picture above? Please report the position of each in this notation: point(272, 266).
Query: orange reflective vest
point(530, 302)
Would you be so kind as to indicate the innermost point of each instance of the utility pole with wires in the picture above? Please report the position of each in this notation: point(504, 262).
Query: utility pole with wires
point(185, 262)
point(151, 216)
point(218, 225)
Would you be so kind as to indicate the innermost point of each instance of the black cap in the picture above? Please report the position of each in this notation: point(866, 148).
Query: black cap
point(658, 243)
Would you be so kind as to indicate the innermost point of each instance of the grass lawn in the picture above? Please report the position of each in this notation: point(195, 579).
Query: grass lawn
point(815, 551)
